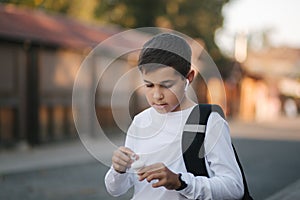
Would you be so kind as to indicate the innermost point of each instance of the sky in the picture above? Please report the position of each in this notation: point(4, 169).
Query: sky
point(280, 17)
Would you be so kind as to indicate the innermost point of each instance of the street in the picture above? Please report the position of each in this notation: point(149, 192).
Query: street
point(270, 166)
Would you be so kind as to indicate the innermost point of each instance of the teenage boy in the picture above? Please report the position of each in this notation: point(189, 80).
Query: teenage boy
point(154, 137)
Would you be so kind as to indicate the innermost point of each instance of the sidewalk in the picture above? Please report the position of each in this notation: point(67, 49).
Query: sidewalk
point(280, 129)
point(57, 154)
point(46, 156)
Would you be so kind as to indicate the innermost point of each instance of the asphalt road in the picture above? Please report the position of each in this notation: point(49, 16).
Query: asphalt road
point(270, 165)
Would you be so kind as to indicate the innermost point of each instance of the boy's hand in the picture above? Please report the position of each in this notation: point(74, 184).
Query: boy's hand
point(159, 171)
point(121, 159)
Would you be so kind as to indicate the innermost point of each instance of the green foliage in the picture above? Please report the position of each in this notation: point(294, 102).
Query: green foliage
point(195, 18)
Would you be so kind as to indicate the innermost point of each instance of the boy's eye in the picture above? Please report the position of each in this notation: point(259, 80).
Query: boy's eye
point(149, 85)
point(166, 86)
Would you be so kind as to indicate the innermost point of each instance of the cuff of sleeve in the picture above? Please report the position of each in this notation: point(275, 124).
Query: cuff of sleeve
point(182, 183)
point(116, 183)
point(188, 190)
point(116, 176)
point(196, 187)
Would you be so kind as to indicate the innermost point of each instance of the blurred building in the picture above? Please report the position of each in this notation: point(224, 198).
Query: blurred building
point(40, 55)
point(271, 84)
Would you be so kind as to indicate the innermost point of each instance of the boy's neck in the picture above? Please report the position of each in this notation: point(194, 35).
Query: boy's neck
point(185, 104)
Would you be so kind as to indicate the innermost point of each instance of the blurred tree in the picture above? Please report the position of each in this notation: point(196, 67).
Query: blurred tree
point(79, 9)
point(195, 18)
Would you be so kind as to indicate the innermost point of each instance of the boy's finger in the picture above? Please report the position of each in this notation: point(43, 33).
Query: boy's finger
point(118, 157)
point(158, 183)
point(154, 176)
point(119, 168)
point(144, 174)
point(120, 161)
point(122, 155)
point(151, 168)
point(127, 151)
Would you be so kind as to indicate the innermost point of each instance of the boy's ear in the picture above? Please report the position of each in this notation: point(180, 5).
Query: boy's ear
point(190, 76)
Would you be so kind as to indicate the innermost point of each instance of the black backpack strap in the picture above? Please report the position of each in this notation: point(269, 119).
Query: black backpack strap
point(247, 195)
point(193, 138)
point(192, 148)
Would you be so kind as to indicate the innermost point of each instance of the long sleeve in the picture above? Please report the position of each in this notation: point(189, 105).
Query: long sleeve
point(225, 179)
point(116, 183)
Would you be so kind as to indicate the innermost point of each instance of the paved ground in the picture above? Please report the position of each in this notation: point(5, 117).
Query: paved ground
point(269, 165)
point(268, 151)
point(76, 182)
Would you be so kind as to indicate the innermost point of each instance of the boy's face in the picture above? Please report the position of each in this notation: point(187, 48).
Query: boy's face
point(164, 89)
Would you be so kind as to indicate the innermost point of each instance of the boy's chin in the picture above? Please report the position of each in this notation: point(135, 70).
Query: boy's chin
point(161, 111)
point(166, 109)
point(160, 108)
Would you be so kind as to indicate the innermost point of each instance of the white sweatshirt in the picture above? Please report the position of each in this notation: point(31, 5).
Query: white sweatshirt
point(157, 137)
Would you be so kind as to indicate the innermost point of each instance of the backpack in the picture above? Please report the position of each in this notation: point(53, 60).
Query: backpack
point(193, 138)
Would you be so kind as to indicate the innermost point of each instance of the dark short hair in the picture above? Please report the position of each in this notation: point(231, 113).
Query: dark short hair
point(166, 50)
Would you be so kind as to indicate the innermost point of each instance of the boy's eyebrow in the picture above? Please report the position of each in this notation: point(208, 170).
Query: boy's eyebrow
point(162, 82)
point(168, 81)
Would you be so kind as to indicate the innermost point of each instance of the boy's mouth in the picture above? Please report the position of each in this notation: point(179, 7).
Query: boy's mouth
point(159, 106)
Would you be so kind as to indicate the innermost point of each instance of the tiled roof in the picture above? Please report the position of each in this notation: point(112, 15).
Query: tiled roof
point(20, 24)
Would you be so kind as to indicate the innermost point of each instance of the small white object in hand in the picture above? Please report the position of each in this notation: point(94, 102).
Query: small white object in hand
point(133, 157)
point(137, 164)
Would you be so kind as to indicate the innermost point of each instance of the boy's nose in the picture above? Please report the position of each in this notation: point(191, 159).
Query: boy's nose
point(157, 94)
